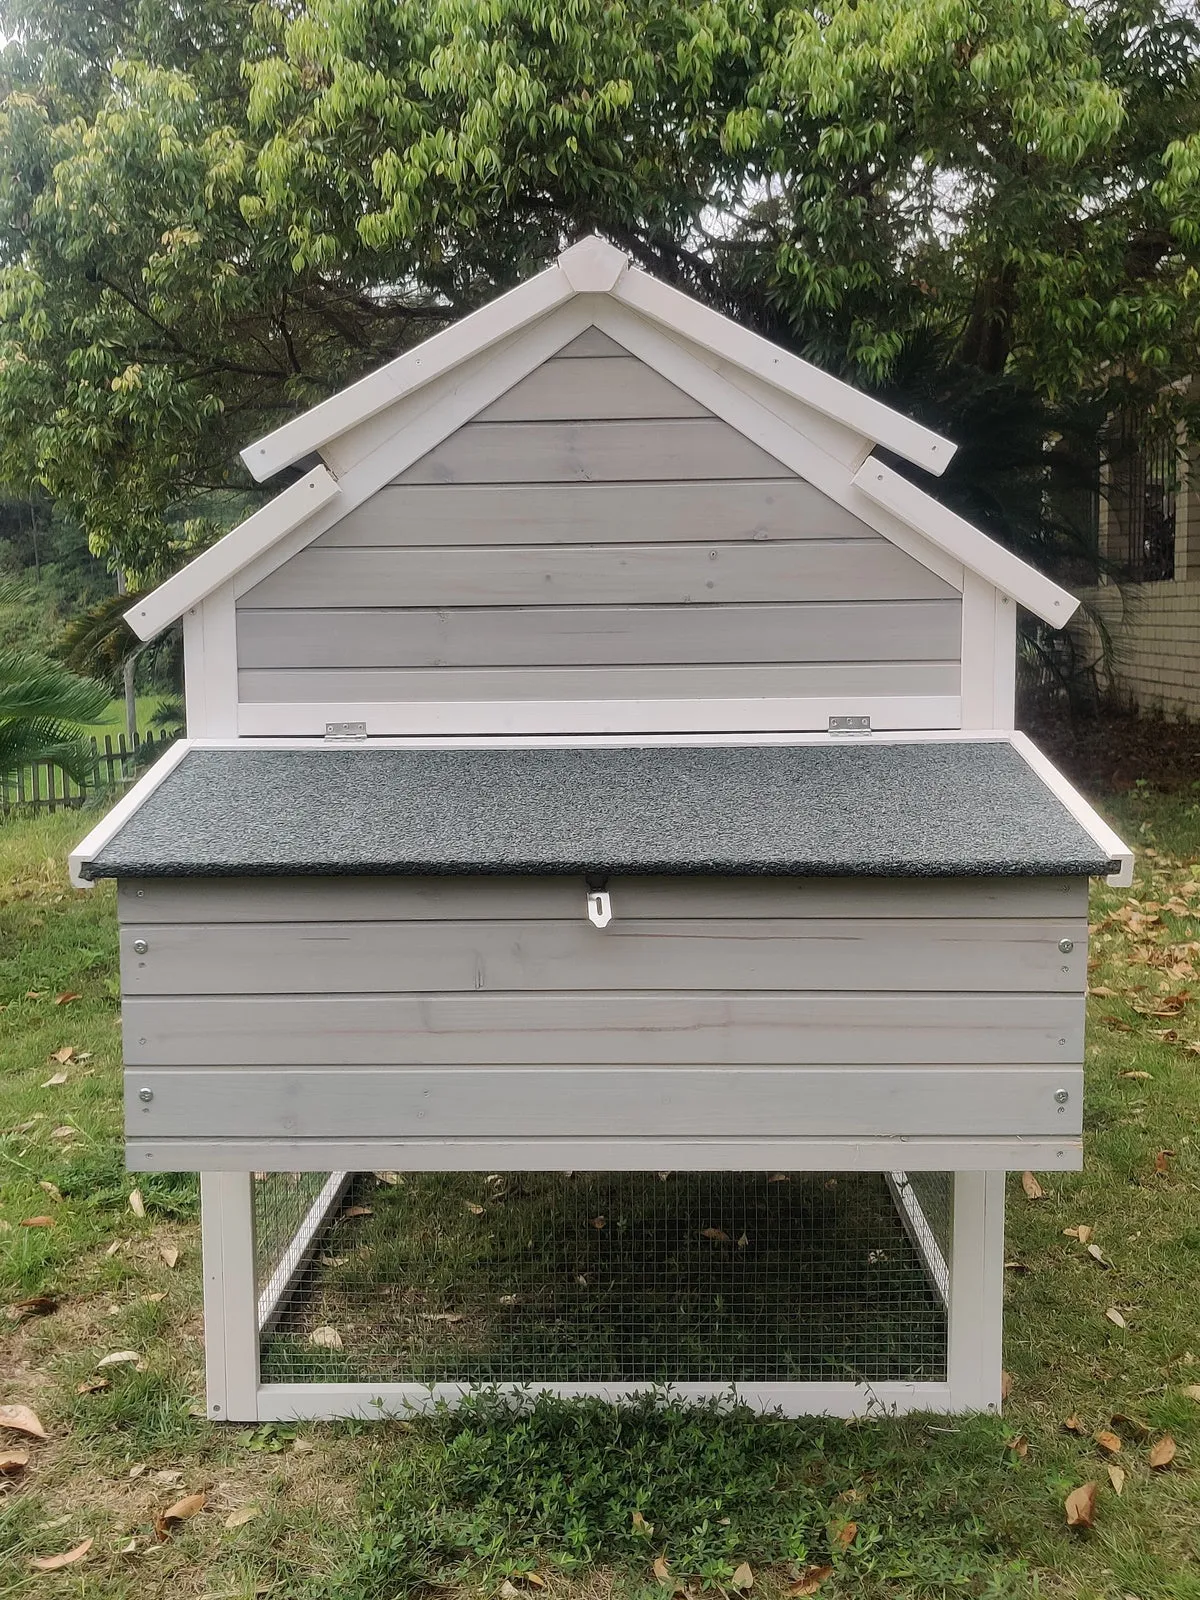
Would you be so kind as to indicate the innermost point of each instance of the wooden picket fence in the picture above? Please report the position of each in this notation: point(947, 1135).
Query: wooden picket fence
point(42, 786)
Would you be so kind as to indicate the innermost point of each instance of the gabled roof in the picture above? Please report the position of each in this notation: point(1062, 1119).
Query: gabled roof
point(772, 387)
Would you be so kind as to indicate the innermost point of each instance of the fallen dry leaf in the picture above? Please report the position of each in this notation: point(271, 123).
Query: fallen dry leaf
point(1032, 1187)
point(1162, 1453)
point(22, 1420)
point(475, 1209)
point(169, 1254)
point(67, 1053)
point(1115, 1317)
point(51, 1189)
point(358, 1211)
point(1192, 1390)
point(743, 1577)
point(743, 1241)
point(718, 1235)
point(38, 1305)
point(37, 1222)
point(1019, 1446)
point(92, 1386)
point(640, 1525)
point(846, 1534)
point(598, 1223)
point(1073, 1425)
point(1108, 1442)
point(1081, 1506)
point(1083, 1233)
point(1006, 1384)
point(65, 1132)
point(1139, 1075)
point(119, 1358)
point(1102, 992)
point(244, 1514)
point(809, 1581)
point(13, 1462)
point(1116, 1476)
point(509, 1591)
point(392, 1179)
point(179, 1512)
point(1097, 1255)
point(325, 1338)
point(1161, 1160)
point(67, 1559)
point(65, 998)
point(662, 1571)
point(136, 1204)
point(441, 1316)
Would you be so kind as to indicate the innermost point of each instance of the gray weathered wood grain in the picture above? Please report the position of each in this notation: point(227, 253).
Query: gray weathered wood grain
point(562, 636)
point(562, 1101)
point(606, 1029)
point(562, 452)
point(608, 387)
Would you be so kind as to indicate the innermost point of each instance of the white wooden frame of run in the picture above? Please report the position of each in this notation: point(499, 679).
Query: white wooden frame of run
point(236, 1313)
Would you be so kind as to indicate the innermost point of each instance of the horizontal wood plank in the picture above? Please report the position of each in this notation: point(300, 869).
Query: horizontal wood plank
point(469, 899)
point(607, 388)
point(563, 636)
point(802, 570)
point(606, 1029)
point(564, 452)
point(593, 513)
point(845, 954)
point(516, 685)
point(561, 1101)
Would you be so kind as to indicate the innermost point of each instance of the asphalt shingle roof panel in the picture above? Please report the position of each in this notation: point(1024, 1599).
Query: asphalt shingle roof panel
point(924, 809)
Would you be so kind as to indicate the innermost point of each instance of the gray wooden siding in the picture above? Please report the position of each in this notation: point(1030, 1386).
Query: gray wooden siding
point(596, 517)
point(380, 1008)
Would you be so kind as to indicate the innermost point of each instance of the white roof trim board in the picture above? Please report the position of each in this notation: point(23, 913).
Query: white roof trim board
point(601, 274)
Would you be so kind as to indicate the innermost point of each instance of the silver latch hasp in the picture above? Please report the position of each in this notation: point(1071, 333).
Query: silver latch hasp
point(599, 907)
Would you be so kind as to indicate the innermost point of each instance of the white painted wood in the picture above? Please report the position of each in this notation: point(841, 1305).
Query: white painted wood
point(602, 741)
point(978, 652)
point(219, 688)
point(1088, 818)
point(644, 1029)
point(675, 951)
point(885, 681)
point(974, 549)
point(619, 386)
point(230, 1324)
point(555, 1102)
point(593, 265)
point(113, 821)
point(977, 1290)
point(456, 720)
point(480, 515)
point(296, 1258)
point(1004, 706)
point(588, 452)
point(292, 508)
point(620, 635)
point(724, 338)
point(148, 902)
point(407, 373)
point(314, 1402)
point(807, 570)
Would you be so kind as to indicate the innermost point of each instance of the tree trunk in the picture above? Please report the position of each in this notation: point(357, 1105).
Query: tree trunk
point(127, 680)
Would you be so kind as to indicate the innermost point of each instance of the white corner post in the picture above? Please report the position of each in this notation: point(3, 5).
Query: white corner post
point(975, 1350)
point(230, 1296)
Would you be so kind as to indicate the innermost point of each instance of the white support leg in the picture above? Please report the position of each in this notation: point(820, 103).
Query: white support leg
point(230, 1311)
point(976, 1291)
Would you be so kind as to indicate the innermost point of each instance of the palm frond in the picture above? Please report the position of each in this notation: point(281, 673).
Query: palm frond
point(43, 710)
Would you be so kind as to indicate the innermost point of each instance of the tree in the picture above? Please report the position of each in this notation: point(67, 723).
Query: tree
point(43, 711)
point(986, 210)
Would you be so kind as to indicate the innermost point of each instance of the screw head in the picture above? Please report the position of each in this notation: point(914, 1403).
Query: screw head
point(140, 947)
point(1061, 1096)
point(146, 1095)
point(1065, 945)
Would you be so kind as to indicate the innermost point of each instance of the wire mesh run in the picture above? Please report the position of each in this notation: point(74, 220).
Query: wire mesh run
point(602, 1277)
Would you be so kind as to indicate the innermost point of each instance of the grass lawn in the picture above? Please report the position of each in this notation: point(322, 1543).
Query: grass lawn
point(462, 1504)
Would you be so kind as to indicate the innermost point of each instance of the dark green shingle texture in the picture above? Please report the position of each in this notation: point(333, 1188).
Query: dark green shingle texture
point(906, 810)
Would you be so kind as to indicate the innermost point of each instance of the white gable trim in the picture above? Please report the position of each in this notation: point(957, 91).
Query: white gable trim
point(727, 339)
point(961, 539)
point(595, 267)
point(298, 504)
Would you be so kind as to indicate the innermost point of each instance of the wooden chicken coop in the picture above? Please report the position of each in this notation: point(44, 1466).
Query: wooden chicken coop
point(602, 928)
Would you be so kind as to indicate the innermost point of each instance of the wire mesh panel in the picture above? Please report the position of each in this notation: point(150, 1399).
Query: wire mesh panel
point(610, 1277)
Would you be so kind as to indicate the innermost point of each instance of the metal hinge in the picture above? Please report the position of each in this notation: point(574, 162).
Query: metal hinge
point(343, 732)
point(851, 727)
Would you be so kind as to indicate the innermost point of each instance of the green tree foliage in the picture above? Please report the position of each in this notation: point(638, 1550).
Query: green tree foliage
point(988, 211)
point(43, 711)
